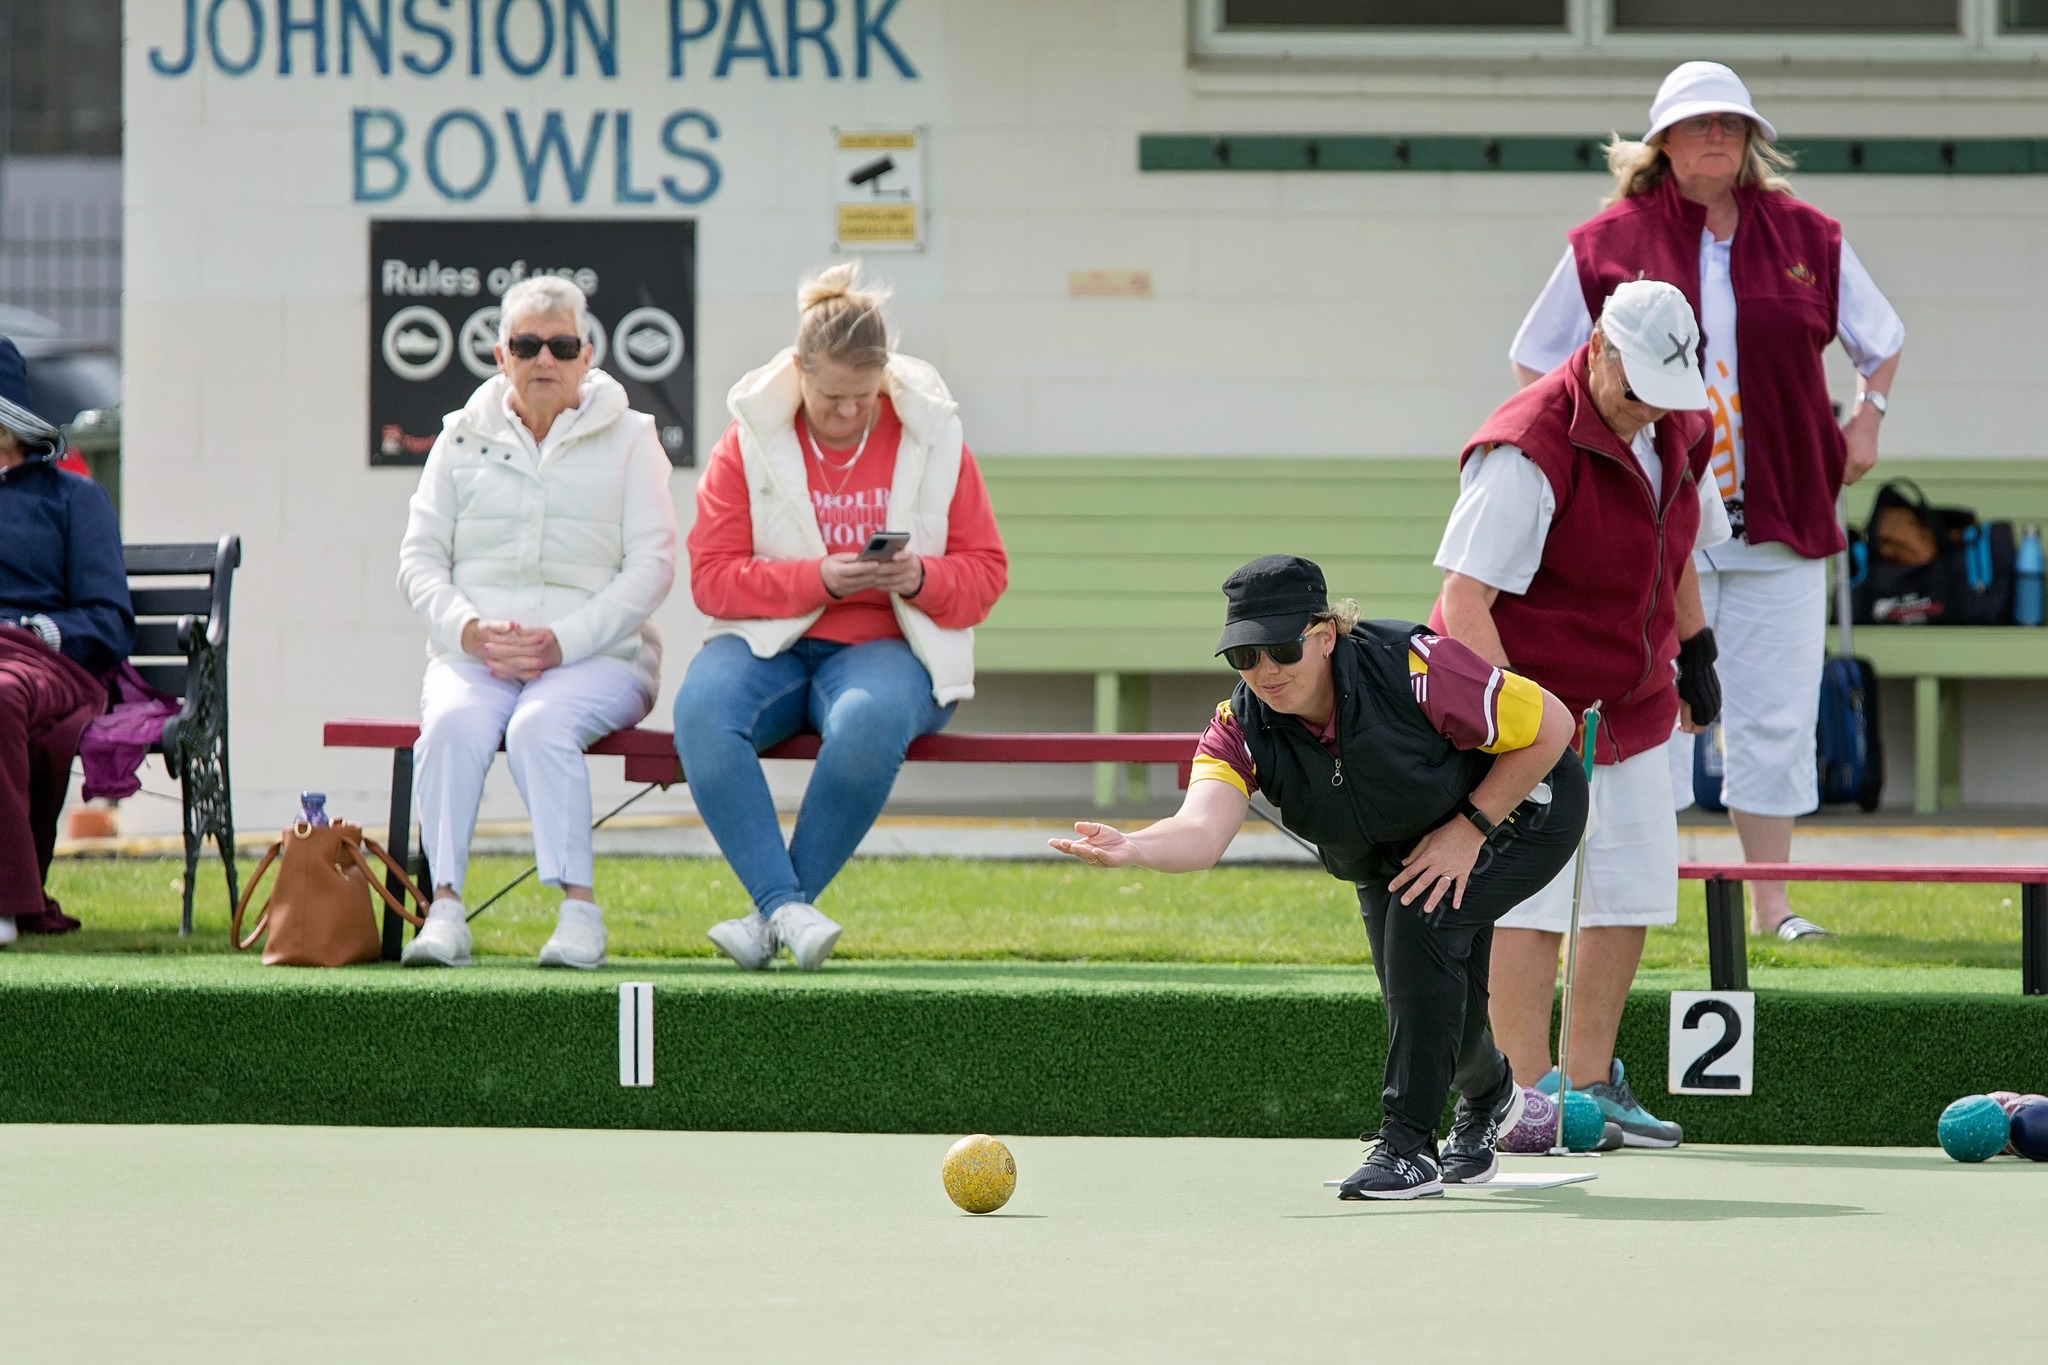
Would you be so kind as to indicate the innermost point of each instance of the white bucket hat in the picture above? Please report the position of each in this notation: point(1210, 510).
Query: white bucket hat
point(1651, 327)
point(1695, 88)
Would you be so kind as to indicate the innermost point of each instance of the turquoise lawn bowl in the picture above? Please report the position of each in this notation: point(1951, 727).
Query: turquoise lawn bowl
point(1974, 1128)
point(1584, 1123)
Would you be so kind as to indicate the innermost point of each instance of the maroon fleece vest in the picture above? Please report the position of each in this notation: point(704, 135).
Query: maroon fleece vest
point(1784, 263)
point(1599, 621)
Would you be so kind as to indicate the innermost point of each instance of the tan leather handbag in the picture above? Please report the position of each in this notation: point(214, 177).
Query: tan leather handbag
point(319, 913)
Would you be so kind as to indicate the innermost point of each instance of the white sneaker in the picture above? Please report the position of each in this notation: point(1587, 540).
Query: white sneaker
point(8, 933)
point(747, 940)
point(808, 935)
point(443, 941)
point(578, 940)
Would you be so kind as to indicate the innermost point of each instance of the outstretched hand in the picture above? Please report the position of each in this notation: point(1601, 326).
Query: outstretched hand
point(1440, 863)
point(1098, 846)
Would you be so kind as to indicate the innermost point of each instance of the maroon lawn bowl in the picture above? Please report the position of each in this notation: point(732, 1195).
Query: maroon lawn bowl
point(2007, 1100)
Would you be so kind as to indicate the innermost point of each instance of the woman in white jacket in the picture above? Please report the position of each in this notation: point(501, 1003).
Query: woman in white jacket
point(539, 543)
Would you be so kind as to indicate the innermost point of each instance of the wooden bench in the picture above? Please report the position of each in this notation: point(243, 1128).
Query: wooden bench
point(181, 593)
point(1727, 920)
point(650, 756)
point(1116, 565)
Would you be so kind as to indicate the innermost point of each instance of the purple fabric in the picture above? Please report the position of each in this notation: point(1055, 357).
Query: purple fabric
point(116, 741)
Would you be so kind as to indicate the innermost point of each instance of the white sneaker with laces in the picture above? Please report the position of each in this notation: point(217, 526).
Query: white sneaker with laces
point(578, 940)
point(443, 941)
point(8, 933)
point(807, 934)
point(747, 940)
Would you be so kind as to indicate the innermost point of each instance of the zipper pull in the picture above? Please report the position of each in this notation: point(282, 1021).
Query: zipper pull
point(1337, 777)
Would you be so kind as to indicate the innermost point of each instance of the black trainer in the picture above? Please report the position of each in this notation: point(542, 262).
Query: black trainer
point(1471, 1152)
point(1387, 1174)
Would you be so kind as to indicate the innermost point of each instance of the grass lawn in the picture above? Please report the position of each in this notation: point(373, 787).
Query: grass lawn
point(937, 908)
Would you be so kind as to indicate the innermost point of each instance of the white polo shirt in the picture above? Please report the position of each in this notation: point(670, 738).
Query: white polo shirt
point(1868, 327)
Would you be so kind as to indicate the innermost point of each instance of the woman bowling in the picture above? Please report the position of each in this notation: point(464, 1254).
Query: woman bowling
point(1437, 783)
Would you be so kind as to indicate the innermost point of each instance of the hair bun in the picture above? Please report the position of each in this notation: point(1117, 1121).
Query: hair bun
point(838, 282)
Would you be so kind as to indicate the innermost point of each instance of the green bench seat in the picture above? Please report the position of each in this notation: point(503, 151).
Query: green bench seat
point(1115, 565)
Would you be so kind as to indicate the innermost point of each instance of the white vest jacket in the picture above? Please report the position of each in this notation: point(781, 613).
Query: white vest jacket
point(582, 540)
point(764, 404)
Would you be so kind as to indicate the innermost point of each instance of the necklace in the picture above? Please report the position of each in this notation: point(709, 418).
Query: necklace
point(845, 471)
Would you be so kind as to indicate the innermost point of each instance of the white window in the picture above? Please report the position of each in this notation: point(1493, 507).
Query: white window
point(1735, 30)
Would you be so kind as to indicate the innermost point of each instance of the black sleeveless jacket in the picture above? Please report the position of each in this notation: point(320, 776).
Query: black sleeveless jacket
point(1393, 778)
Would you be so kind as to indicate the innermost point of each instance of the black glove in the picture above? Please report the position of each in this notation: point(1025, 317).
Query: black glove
point(1699, 686)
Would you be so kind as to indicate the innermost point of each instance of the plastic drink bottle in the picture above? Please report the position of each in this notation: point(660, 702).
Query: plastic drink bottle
point(2026, 597)
point(313, 807)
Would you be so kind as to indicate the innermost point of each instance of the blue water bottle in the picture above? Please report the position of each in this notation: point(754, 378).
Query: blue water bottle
point(2026, 596)
point(313, 808)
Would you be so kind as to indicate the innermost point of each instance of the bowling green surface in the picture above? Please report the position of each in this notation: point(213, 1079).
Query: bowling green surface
point(386, 1244)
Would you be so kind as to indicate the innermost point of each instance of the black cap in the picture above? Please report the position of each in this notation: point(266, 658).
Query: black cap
point(1272, 600)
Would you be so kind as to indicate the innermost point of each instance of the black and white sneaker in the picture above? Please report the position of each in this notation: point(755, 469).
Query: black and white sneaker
point(1387, 1174)
point(1471, 1151)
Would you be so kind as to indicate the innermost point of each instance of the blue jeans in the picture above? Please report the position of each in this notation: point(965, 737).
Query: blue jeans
point(867, 702)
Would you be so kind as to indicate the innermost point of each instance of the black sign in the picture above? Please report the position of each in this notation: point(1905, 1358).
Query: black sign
point(434, 291)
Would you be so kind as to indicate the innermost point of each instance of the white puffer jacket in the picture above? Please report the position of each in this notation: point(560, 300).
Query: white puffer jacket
point(764, 403)
point(581, 540)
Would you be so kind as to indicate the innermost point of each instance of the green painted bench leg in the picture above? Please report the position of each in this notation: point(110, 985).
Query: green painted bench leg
point(1108, 695)
point(1951, 744)
point(1123, 705)
point(1927, 745)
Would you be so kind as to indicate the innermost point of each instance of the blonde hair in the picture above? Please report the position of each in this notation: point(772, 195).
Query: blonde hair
point(841, 320)
point(1343, 613)
point(1639, 167)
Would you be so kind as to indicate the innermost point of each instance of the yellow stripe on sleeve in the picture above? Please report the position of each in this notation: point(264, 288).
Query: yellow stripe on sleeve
point(1518, 713)
point(1416, 663)
point(1216, 770)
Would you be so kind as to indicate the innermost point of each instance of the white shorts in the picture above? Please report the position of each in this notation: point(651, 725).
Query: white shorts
point(1770, 626)
point(1631, 854)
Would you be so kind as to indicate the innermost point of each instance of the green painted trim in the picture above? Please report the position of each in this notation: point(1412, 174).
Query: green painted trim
point(1351, 152)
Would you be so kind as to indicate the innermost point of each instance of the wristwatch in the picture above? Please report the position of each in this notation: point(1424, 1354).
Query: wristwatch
point(1876, 400)
point(1478, 818)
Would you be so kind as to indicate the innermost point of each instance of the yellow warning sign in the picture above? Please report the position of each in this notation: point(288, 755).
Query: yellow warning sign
point(878, 189)
point(868, 140)
point(878, 222)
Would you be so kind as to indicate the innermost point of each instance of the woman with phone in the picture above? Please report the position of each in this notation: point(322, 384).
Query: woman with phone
point(1441, 786)
point(844, 550)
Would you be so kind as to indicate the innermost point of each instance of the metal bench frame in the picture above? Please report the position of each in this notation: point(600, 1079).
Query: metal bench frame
point(181, 647)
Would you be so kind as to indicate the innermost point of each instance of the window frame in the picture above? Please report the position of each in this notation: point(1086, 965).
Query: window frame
point(1589, 37)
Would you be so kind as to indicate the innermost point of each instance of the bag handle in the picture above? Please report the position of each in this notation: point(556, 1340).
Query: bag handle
point(405, 882)
point(248, 891)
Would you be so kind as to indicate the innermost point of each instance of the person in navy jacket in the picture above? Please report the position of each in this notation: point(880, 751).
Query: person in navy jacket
point(65, 623)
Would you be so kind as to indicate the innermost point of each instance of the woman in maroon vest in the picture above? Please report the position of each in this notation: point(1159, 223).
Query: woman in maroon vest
point(1702, 203)
point(1569, 557)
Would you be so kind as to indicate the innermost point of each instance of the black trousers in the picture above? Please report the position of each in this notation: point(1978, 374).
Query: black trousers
point(1433, 968)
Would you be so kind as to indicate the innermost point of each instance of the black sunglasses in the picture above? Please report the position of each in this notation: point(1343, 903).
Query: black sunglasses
point(1245, 658)
point(526, 345)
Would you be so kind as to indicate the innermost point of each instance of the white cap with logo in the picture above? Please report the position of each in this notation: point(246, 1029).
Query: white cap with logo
point(1695, 88)
point(1651, 327)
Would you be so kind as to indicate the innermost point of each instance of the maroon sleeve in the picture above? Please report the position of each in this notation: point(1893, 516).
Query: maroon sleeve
point(1456, 689)
point(1222, 754)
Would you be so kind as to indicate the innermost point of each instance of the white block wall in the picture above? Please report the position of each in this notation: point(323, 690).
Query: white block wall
point(1337, 314)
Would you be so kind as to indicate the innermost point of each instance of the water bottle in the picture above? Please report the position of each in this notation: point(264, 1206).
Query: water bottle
point(2026, 597)
point(313, 808)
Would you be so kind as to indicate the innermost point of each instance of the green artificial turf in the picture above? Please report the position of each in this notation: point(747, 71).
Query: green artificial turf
point(969, 910)
point(1104, 1049)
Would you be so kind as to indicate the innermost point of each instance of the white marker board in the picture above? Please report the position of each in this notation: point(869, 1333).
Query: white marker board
point(1713, 1043)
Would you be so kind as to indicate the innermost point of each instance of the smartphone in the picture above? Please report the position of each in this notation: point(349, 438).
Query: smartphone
point(885, 545)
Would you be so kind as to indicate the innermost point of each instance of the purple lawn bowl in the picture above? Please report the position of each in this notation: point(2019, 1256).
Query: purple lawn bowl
point(1537, 1130)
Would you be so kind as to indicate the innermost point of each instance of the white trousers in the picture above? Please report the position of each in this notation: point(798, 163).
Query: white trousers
point(1631, 854)
point(1771, 628)
point(545, 725)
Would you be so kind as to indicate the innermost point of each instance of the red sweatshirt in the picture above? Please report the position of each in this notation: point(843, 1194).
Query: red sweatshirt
point(729, 582)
